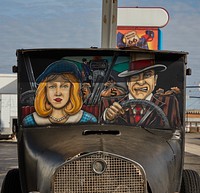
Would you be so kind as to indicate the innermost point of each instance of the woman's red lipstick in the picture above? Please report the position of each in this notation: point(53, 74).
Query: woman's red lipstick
point(58, 99)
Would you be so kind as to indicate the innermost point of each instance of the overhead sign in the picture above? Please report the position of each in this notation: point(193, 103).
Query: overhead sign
point(146, 38)
point(142, 16)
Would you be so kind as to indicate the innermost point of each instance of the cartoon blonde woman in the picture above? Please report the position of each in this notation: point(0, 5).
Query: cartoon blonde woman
point(58, 97)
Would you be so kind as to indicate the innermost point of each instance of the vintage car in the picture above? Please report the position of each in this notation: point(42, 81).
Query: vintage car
point(101, 121)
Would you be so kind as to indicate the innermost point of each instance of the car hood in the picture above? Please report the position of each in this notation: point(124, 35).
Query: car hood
point(45, 149)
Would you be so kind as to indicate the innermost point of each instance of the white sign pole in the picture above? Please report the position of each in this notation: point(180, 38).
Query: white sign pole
point(109, 23)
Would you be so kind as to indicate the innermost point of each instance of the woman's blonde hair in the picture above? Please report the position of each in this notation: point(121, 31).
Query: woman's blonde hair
point(44, 108)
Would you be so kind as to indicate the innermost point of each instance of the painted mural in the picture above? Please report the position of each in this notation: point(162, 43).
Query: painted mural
point(103, 89)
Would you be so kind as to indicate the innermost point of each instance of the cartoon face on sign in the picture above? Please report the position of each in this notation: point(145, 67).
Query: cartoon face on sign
point(132, 38)
point(58, 99)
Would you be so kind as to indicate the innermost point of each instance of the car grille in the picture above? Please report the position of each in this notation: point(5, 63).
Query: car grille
point(99, 172)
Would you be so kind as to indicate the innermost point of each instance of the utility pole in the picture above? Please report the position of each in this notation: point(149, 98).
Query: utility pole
point(109, 23)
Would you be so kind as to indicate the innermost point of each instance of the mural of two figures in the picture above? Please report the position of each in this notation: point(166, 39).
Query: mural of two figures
point(104, 89)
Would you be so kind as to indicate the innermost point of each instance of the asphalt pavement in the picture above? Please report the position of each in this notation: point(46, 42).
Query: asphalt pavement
point(192, 152)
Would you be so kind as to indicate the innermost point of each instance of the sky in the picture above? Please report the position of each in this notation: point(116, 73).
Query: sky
point(66, 24)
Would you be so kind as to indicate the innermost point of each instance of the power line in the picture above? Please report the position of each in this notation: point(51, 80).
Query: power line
point(193, 86)
point(194, 97)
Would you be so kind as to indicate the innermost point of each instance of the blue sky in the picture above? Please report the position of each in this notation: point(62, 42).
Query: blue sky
point(77, 23)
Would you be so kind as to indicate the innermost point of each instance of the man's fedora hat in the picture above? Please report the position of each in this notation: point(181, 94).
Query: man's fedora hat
point(140, 63)
point(60, 67)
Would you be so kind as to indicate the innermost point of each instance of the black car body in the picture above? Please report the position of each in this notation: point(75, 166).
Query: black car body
point(100, 155)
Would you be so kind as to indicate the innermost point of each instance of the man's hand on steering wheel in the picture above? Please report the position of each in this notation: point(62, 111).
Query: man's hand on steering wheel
point(118, 109)
point(114, 111)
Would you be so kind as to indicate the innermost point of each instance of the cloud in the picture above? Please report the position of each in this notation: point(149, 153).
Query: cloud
point(43, 24)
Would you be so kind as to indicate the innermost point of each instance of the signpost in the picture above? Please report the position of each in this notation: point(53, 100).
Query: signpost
point(109, 23)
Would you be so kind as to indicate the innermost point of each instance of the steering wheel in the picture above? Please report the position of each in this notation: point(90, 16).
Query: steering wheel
point(150, 106)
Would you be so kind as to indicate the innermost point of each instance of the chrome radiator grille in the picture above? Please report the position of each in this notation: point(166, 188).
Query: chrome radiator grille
point(99, 172)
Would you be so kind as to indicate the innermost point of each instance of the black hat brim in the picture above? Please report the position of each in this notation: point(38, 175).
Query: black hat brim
point(157, 68)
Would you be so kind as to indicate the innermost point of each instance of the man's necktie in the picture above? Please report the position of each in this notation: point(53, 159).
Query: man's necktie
point(138, 113)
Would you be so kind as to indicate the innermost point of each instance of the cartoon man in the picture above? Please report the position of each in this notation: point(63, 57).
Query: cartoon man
point(86, 91)
point(141, 79)
point(86, 72)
